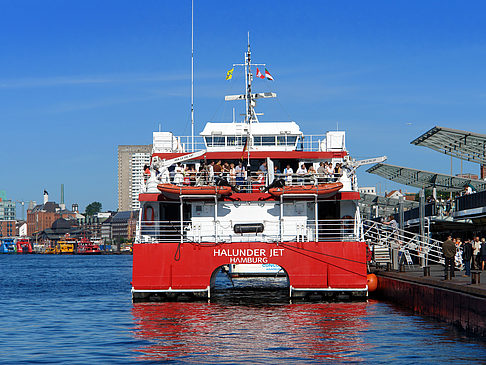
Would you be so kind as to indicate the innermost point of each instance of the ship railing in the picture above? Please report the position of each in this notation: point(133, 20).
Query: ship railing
point(423, 248)
point(306, 142)
point(288, 229)
point(253, 181)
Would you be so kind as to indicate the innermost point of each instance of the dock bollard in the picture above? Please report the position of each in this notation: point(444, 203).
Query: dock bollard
point(475, 277)
point(426, 270)
point(402, 268)
point(448, 275)
point(388, 266)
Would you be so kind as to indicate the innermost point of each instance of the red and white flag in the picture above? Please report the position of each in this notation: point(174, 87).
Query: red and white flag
point(267, 74)
point(259, 74)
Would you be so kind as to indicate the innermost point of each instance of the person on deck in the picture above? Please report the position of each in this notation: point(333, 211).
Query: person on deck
point(321, 173)
point(449, 251)
point(179, 174)
point(288, 172)
point(211, 173)
point(301, 172)
point(240, 173)
point(232, 174)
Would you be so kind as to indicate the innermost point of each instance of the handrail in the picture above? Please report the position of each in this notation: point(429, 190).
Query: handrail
point(215, 231)
point(422, 247)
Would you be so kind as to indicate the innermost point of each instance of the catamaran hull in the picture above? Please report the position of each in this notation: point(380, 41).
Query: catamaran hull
point(167, 270)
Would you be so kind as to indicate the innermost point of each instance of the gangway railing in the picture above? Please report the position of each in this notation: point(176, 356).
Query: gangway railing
point(381, 237)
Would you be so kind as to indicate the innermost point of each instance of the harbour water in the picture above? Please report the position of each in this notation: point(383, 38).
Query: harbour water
point(78, 309)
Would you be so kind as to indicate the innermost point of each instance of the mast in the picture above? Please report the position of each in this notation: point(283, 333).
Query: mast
point(192, 75)
point(248, 100)
point(248, 82)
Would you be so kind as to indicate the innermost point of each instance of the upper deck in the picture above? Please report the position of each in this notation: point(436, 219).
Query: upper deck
point(282, 140)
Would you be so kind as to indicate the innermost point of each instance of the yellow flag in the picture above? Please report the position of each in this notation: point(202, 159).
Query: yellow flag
point(229, 74)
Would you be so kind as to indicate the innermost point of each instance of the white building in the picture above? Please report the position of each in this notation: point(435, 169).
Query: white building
point(138, 161)
point(367, 190)
point(131, 160)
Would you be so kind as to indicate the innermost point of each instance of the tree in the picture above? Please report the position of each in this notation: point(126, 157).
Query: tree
point(93, 208)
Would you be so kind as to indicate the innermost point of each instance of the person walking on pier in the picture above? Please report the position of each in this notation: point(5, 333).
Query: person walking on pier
point(467, 252)
point(476, 261)
point(482, 252)
point(449, 251)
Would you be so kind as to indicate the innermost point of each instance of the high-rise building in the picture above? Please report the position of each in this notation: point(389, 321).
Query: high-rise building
point(7, 207)
point(131, 160)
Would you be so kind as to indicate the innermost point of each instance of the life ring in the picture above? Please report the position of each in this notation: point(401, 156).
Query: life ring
point(150, 221)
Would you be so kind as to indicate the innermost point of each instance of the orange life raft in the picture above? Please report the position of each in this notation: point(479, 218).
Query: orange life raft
point(323, 190)
point(173, 191)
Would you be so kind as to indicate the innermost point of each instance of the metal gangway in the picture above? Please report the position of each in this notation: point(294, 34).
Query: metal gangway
point(389, 244)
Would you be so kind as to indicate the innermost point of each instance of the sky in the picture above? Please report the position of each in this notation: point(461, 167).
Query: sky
point(79, 78)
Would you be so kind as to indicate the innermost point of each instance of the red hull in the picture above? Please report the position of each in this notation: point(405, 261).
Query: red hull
point(323, 190)
point(174, 191)
point(309, 265)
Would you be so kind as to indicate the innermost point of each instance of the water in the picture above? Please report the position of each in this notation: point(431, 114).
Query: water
point(78, 309)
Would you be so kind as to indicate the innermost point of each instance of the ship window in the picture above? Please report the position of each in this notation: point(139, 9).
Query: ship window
point(286, 140)
point(236, 141)
point(264, 140)
point(214, 141)
point(268, 141)
point(218, 141)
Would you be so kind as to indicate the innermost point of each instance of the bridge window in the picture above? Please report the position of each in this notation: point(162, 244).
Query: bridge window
point(264, 140)
point(236, 141)
point(286, 140)
point(215, 141)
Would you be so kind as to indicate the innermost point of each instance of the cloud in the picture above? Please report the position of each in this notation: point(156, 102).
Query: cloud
point(53, 81)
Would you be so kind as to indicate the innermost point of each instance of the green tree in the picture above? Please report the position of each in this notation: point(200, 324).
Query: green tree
point(93, 208)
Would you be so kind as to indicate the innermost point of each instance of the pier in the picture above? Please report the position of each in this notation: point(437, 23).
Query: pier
point(456, 301)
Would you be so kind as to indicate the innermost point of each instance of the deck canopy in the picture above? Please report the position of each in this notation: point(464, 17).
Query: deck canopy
point(425, 179)
point(465, 145)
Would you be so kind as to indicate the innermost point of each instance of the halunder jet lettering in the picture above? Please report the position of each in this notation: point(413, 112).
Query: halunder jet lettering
point(248, 255)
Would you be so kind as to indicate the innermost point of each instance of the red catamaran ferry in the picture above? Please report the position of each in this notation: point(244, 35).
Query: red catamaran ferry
point(256, 198)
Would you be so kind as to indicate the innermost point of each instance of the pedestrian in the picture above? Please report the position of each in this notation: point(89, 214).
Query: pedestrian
point(482, 253)
point(467, 252)
point(449, 251)
point(476, 261)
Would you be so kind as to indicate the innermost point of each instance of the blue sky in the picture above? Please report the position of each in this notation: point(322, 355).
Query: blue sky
point(79, 78)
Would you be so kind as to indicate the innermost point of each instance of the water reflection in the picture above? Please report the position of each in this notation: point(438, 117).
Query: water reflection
point(215, 332)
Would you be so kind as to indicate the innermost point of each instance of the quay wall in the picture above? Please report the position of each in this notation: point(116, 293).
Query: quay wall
point(442, 301)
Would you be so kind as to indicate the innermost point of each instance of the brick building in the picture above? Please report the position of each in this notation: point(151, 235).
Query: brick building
point(8, 228)
point(42, 216)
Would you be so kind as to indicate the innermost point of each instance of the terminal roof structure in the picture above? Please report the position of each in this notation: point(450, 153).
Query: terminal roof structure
point(425, 179)
point(461, 144)
point(381, 201)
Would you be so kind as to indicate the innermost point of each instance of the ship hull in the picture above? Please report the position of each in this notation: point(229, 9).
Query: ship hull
point(167, 270)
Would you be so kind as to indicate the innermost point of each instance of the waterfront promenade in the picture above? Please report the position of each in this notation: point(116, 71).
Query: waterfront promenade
point(457, 301)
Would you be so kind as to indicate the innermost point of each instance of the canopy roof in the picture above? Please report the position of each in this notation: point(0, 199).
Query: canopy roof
point(461, 144)
point(373, 200)
point(425, 179)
